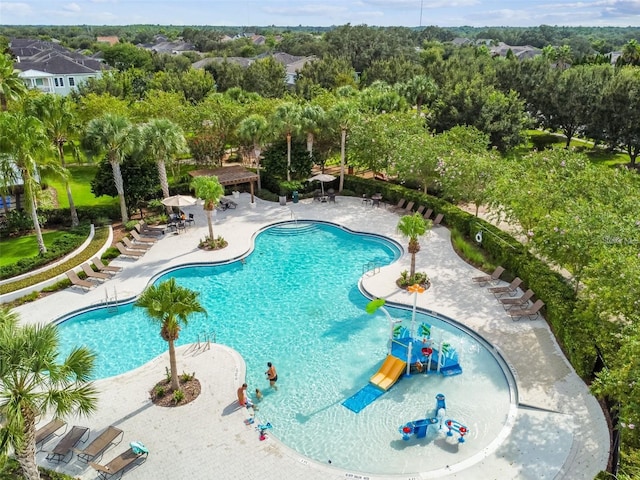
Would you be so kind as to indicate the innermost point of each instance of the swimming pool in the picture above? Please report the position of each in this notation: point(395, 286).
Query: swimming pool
point(295, 301)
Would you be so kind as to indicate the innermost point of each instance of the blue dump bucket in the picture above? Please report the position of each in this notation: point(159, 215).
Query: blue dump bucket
point(420, 427)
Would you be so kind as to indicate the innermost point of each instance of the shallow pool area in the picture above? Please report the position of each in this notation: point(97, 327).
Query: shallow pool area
point(295, 301)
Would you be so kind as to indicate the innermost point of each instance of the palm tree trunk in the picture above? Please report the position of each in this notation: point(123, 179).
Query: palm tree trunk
point(210, 221)
point(288, 157)
point(310, 143)
point(173, 366)
point(164, 182)
point(343, 143)
point(26, 456)
point(72, 207)
point(117, 179)
point(412, 270)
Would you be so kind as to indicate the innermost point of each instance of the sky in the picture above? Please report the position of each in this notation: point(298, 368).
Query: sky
point(408, 13)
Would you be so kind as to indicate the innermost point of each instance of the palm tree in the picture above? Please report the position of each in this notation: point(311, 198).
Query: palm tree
point(162, 140)
point(112, 135)
point(418, 90)
point(11, 85)
point(210, 191)
point(412, 227)
point(312, 118)
point(286, 119)
point(24, 145)
point(35, 381)
point(58, 116)
point(170, 305)
point(344, 114)
point(254, 130)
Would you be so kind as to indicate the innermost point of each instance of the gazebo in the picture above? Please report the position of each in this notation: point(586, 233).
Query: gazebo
point(234, 175)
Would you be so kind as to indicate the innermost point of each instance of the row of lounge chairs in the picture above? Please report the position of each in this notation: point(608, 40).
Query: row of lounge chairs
point(405, 208)
point(102, 272)
point(516, 307)
point(64, 449)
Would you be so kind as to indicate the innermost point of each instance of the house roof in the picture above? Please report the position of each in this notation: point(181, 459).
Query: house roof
point(49, 57)
point(242, 61)
point(111, 40)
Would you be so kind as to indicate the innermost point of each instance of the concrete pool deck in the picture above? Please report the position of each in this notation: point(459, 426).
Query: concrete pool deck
point(559, 430)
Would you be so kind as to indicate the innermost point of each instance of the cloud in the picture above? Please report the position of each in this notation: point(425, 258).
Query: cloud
point(426, 4)
point(310, 9)
point(72, 7)
point(15, 8)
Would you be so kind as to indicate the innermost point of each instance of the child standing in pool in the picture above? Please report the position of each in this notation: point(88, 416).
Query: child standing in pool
point(272, 375)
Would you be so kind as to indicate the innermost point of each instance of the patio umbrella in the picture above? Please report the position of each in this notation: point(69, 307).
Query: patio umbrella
point(179, 201)
point(322, 177)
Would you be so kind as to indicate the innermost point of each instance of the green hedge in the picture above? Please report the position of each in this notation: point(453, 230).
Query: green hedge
point(559, 297)
point(97, 214)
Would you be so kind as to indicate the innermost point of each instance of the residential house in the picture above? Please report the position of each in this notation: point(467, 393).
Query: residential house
point(521, 52)
point(111, 40)
point(52, 68)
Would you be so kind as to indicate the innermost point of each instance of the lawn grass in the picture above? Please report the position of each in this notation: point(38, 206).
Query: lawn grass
point(81, 177)
point(597, 155)
point(13, 249)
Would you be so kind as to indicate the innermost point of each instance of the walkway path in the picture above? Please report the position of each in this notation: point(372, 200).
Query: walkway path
point(559, 432)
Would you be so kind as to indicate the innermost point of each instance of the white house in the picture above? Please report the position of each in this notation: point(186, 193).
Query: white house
point(52, 68)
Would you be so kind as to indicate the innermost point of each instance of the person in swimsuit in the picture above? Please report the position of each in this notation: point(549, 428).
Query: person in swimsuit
point(242, 396)
point(272, 375)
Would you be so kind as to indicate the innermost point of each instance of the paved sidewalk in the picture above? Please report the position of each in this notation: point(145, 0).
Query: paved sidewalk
point(559, 431)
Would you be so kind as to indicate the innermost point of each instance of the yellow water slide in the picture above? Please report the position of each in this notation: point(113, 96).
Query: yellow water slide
point(389, 372)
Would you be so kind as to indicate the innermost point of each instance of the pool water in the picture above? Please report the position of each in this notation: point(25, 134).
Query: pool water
point(295, 302)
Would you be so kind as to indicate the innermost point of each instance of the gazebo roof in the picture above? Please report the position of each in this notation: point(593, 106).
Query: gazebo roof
point(228, 175)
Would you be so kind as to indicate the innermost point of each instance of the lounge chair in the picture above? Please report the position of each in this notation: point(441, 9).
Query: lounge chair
point(144, 229)
point(78, 282)
point(135, 246)
point(86, 268)
point(408, 210)
point(118, 465)
point(489, 278)
point(420, 210)
point(511, 289)
point(49, 430)
point(105, 268)
point(427, 214)
point(65, 446)
point(140, 239)
point(438, 219)
point(532, 312)
point(129, 253)
point(111, 436)
point(517, 302)
point(399, 205)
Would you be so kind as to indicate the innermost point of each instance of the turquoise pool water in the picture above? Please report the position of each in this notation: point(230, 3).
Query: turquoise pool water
point(295, 302)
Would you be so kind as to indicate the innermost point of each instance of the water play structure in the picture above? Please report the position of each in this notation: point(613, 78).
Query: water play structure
point(419, 428)
point(410, 351)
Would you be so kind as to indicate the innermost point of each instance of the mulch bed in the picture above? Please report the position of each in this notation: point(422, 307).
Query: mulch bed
point(190, 388)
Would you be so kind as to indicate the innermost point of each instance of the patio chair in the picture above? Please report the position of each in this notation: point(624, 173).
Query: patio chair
point(365, 199)
point(144, 229)
point(511, 289)
point(517, 302)
point(49, 430)
point(64, 447)
point(489, 278)
point(332, 197)
point(118, 465)
point(408, 210)
point(111, 436)
point(86, 268)
point(190, 219)
point(78, 282)
point(438, 219)
point(427, 214)
point(399, 205)
point(105, 268)
point(129, 253)
point(135, 246)
point(140, 239)
point(532, 312)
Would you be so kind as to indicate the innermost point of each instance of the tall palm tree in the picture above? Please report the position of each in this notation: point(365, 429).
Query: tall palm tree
point(112, 135)
point(344, 115)
point(58, 116)
point(25, 145)
point(418, 90)
point(412, 227)
point(35, 381)
point(11, 85)
point(312, 119)
point(171, 305)
point(254, 130)
point(286, 119)
point(162, 140)
point(210, 191)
